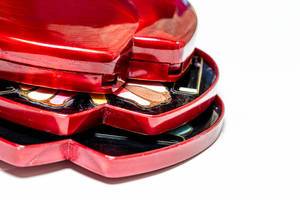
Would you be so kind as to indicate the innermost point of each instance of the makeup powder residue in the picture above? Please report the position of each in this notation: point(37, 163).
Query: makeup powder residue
point(147, 95)
point(46, 97)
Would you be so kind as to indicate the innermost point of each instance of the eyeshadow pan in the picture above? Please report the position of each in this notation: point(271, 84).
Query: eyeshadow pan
point(41, 94)
point(61, 98)
point(124, 93)
point(98, 99)
point(153, 86)
point(145, 95)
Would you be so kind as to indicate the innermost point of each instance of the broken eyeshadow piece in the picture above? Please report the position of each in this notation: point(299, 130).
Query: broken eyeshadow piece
point(47, 97)
point(54, 98)
point(145, 95)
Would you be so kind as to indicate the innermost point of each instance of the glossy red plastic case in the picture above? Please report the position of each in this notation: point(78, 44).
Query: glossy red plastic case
point(108, 165)
point(67, 124)
point(97, 52)
point(96, 47)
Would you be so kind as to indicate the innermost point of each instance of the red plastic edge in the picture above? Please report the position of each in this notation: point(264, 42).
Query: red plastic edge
point(110, 166)
point(64, 124)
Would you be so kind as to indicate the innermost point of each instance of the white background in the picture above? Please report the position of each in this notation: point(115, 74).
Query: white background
point(256, 44)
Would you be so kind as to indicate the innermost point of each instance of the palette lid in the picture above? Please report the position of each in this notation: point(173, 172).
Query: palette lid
point(66, 34)
point(111, 39)
point(166, 31)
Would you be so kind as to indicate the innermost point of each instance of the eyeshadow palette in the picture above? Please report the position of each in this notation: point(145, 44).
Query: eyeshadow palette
point(143, 107)
point(109, 151)
point(63, 102)
point(95, 53)
point(205, 78)
point(119, 96)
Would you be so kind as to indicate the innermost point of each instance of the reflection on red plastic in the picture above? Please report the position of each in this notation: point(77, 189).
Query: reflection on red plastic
point(47, 38)
point(105, 165)
point(67, 124)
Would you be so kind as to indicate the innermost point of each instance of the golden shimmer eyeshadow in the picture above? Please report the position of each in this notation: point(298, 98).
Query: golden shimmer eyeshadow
point(98, 99)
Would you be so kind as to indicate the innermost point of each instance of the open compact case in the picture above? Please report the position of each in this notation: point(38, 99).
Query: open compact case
point(66, 113)
point(118, 95)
